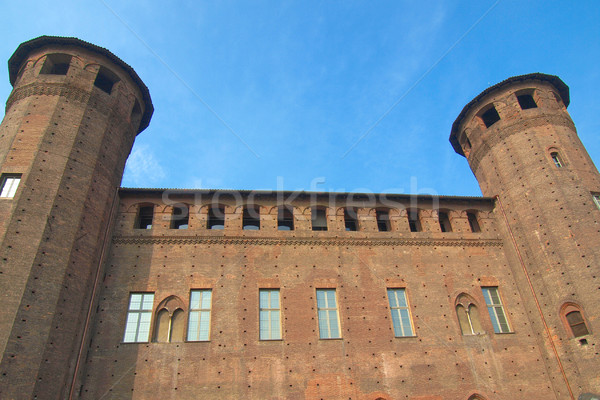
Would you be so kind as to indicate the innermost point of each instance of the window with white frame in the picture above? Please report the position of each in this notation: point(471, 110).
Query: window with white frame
point(270, 314)
point(400, 312)
point(199, 322)
point(596, 197)
point(329, 322)
point(496, 309)
point(139, 315)
point(10, 183)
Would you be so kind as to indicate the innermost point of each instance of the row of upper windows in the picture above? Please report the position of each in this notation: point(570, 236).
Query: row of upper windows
point(489, 115)
point(285, 219)
point(170, 317)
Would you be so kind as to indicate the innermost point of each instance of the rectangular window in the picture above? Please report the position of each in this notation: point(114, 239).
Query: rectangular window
point(400, 312)
point(10, 183)
point(270, 314)
point(496, 309)
point(329, 322)
point(596, 197)
point(319, 219)
point(199, 323)
point(139, 315)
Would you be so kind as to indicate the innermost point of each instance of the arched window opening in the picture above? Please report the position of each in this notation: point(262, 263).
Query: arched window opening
point(490, 117)
point(145, 217)
point(180, 217)
point(285, 218)
point(216, 218)
point(556, 158)
point(177, 326)
point(573, 316)
point(169, 328)
point(319, 219)
point(468, 319)
point(251, 218)
point(473, 222)
point(444, 221)
point(350, 219)
point(383, 220)
point(413, 220)
point(56, 64)
point(477, 397)
point(161, 330)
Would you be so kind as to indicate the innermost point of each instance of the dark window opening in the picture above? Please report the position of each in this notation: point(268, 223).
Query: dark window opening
point(473, 223)
point(181, 216)
point(105, 80)
point(216, 218)
point(413, 221)
point(490, 117)
point(556, 159)
point(251, 219)
point(350, 220)
point(444, 221)
point(145, 215)
point(577, 324)
point(285, 219)
point(319, 219)
point(56, 64)
point(383, 221)
point(526, 101)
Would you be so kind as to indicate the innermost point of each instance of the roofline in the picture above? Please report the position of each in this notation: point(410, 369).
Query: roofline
point(15, 61)
point(297, 192)
point(563, 91)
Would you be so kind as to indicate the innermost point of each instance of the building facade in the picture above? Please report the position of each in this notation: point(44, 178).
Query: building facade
point(124, 293)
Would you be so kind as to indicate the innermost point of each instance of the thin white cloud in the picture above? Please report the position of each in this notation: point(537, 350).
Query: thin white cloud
point(142, 168)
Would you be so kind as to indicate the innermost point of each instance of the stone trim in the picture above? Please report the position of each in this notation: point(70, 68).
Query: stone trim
point(271, 241)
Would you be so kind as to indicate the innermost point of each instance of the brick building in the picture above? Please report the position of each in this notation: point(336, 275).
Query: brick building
point(110, 292)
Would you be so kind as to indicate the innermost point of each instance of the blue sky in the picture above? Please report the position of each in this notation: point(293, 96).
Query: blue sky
point(321, 95)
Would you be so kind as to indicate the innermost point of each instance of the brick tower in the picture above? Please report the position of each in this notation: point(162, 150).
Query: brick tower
point(70, 123)
point(524, 150)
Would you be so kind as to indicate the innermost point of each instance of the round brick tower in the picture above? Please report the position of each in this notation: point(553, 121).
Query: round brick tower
point(524, 150)
point(70, 123)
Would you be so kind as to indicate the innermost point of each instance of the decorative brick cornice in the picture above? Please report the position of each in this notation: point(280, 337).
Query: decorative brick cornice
point(48, 89)
point(502, 132)
point(272, 241)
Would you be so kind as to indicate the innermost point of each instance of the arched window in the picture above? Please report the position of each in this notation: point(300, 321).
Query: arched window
point(444, 221)
point(350, 219)
point(468, 316)
point(170, 321)
point(285, 218)
point(145, 216)
point(180, 217)
point(216, 218)
point(319, 219)
point(477, 397)
point(557, 159)
point(473, 222)
point(251, 218)
point(413, 220)
point(573, 317)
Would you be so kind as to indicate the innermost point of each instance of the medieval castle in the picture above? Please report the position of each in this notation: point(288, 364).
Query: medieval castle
point(111, 293)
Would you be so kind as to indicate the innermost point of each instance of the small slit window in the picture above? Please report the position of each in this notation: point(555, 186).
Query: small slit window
point(413, 221)
point(473, 223)
point(180, 217)
point(383, 221)
point(556, 159)
point(526, 101)
point(285, 219)
point(251, 219)
point(105, 80)
point(490, 117)
point(216, 218)
point(144, 218)
point(136, 114)
point(9, 185)
point(350, 220)
point(319, 219)
point(444, 221)
point(56, 64)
